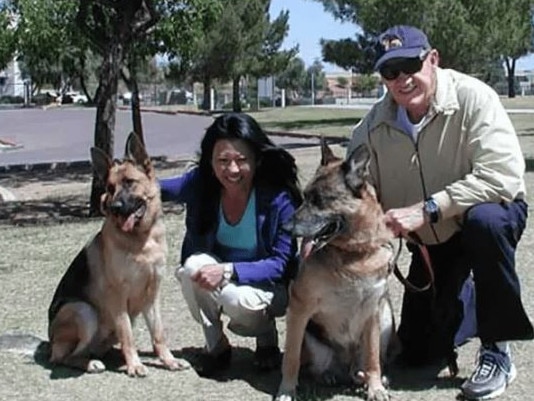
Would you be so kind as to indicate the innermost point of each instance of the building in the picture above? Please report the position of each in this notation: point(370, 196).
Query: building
point(11, 82)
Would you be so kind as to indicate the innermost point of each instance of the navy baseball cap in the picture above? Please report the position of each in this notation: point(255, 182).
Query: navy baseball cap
point(401, 41)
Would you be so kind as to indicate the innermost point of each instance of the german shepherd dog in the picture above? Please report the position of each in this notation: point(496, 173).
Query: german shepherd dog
point(339, 320)
point(117, 275)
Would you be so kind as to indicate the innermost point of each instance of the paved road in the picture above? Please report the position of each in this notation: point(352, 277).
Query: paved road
point(65, 135)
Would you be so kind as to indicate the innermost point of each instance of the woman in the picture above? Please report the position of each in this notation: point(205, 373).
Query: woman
point(236, 257)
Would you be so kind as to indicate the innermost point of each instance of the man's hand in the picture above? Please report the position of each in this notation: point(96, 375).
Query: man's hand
point(405, 220)
point(209, 277)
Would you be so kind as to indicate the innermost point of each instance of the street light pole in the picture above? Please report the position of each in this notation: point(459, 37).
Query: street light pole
point(312, 88)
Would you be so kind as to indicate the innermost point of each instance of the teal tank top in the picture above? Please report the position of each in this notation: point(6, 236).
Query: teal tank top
point(239, 242)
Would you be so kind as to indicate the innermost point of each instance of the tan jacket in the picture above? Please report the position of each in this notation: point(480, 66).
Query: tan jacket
point(466, 153)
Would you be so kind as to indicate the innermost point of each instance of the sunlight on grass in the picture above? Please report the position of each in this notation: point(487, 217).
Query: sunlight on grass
point(314, 120)
point(340, 122)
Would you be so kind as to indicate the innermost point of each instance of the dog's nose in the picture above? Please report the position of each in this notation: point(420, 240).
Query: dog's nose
point(116, 206)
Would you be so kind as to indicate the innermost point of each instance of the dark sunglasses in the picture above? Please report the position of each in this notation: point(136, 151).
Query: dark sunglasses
point(392, 69)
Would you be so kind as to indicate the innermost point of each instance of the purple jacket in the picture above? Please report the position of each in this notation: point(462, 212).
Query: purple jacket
point(277, 251)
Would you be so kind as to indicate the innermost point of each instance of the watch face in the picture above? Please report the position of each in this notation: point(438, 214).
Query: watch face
point(431, 209)
point(431, 206)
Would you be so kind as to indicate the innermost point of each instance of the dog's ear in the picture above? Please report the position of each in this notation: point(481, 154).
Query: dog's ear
point(136, 151)
point(357, 167)
point(327, 156)
point(101, 163)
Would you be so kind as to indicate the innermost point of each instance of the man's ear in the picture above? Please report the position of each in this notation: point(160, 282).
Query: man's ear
point(434, 58)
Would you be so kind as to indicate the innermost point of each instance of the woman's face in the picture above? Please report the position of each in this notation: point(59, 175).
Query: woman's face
point(234, 164)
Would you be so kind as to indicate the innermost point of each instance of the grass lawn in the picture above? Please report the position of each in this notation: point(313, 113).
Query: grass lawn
point(339, 122)
point(35, 256)
point(325, 121)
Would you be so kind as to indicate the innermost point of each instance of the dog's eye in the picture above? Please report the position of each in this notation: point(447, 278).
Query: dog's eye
point(128, 182)
point(314, 198)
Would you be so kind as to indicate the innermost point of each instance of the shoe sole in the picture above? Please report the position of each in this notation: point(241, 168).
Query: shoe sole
point(499, 391)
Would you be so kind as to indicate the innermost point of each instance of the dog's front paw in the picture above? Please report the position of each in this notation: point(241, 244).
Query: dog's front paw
point(95, 366)
point(177, 364)
point(377, 394)
point(286, 396)
point(136, 370)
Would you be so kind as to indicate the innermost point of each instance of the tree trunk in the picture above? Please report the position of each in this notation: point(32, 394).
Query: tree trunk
point(510, 68)
point(129, 76)
point(236, 98)
point(106, 107)
point(90, 100)
point(136, 110)
point(207, 94)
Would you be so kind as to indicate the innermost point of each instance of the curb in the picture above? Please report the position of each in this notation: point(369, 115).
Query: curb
point(81, 166)
point(169, 112)
point(159, 161)
point(164, 161)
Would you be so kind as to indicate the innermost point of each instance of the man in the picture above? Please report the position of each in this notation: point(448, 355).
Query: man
point(448, 167)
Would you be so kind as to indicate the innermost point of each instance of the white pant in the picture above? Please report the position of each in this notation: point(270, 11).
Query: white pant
point(251, 309)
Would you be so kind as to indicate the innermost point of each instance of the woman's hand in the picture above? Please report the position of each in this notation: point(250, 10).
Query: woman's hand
point(209, 277)
point(405, 220)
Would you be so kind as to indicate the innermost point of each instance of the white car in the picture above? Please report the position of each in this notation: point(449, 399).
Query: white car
point(128, 96)
point(76, 97)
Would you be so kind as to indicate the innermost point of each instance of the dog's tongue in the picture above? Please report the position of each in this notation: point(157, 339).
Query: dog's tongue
point(306, 248)
point(129, 223)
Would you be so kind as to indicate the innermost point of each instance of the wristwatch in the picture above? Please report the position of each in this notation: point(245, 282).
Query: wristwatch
point(431, 210)
point(228, 271)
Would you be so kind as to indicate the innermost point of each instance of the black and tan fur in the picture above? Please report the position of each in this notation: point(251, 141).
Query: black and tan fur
point(339, 321)
point(117, 275)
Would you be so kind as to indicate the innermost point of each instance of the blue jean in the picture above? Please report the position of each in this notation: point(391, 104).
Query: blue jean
point(485, 248)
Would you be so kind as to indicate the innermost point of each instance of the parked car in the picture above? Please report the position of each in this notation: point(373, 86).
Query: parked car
point(127, 98)
point(73, 97)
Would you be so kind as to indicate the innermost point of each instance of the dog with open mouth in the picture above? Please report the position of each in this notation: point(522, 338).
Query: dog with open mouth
point(339, 320)
point(117, 275)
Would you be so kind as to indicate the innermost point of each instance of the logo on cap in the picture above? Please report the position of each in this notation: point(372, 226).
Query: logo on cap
point(390, 42)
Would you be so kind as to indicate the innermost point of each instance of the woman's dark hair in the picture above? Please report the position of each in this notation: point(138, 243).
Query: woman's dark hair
point(275, 167)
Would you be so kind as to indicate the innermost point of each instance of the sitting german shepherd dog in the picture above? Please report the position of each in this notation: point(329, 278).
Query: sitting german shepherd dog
point(117, 275)
point(339, 312)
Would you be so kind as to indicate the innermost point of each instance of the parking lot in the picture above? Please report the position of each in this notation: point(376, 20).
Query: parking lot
point(66, 134)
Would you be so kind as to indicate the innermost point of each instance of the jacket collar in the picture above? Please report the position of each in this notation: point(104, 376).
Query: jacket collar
point(445, 101)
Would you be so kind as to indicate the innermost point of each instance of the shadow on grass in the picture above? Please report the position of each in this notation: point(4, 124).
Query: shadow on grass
point(303, 124)
point(44, 212)
point(241, 368)
point(66, 210)
point(422, 379)
point(113, 360)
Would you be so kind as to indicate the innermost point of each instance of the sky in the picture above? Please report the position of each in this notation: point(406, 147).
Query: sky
point(308, 23)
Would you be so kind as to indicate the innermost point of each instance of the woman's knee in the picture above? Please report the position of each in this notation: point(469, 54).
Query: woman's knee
point(242, 302)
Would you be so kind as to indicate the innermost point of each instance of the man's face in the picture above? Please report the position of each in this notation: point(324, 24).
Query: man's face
point(412, 82)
